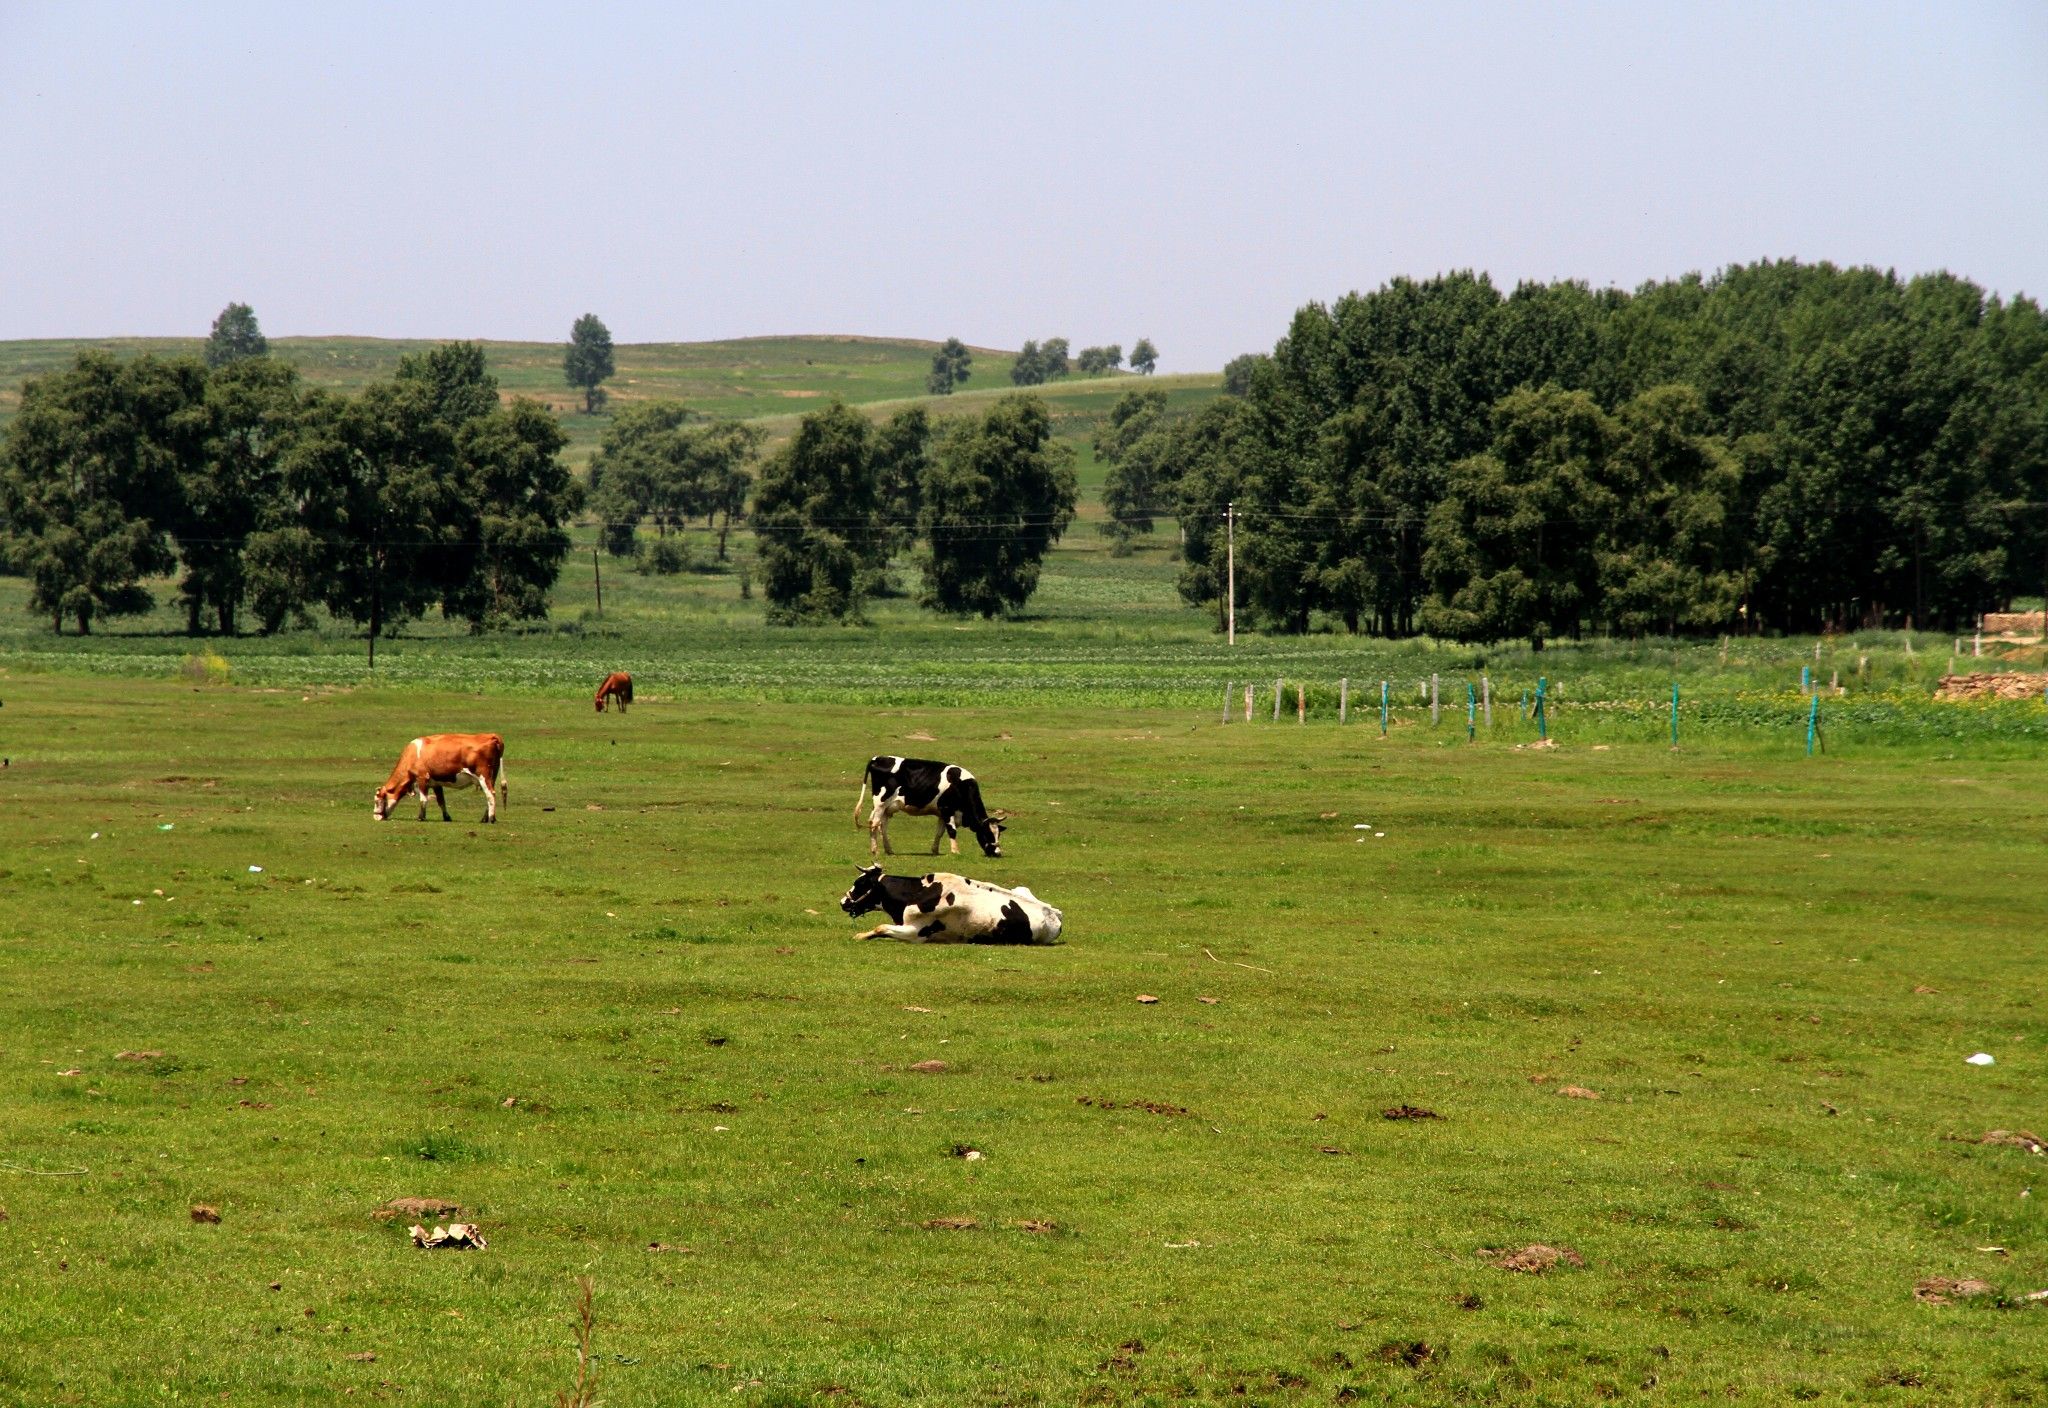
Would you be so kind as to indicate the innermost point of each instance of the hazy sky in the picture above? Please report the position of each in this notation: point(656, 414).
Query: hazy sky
point(1190, 173)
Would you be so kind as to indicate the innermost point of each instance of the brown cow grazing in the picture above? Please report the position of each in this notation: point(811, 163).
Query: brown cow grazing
point(445, 760)
point(617, 685)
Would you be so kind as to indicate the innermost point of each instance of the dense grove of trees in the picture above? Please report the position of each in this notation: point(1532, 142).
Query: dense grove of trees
point(988, 496)
point(421, 491)
point(1040, 362)
point(1780, 446)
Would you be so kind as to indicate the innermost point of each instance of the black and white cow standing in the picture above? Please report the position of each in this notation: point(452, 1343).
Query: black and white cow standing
point(951, 909)
point(921, 787)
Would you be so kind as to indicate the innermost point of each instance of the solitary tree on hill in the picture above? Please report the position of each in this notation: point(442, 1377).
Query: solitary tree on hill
point(588, 362)
point(952, 364)
point(235, 336)
point(1145, 357)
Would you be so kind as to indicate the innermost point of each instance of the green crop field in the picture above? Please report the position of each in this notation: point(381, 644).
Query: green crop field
point(627, 1031)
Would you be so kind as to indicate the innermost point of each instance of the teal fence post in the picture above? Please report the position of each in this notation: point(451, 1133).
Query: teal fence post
point(1674, 713)
point(1383, 708)
point(1812, 724)
point(1806, 679)
point(1542, 724)
point(1471, 712)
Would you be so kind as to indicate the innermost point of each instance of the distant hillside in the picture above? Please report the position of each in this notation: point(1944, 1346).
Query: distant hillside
point(770, 379)
point(743, 377)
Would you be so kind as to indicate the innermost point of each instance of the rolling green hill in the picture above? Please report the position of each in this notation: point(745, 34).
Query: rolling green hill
point(773, 379)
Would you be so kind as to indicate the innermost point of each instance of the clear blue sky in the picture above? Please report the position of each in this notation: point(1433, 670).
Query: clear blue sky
point(1188, 172)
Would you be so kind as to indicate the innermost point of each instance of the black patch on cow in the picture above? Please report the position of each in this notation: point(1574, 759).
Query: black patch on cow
point(1013, 928)
point(937, 926)
point(950, 899)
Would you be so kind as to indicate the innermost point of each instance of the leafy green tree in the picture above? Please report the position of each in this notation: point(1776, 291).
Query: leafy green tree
point(1099, 361)
point(1668, 560)
point(902, 458)
point(387, 509)
point(1144, 357)
point(235, 488)
point(1238, 372)
point(1052, 358)
point(1029, 368)
point(235, 336)
point(588, 362)
point(640, 470)
point(524, 496)
point(815, 517)
point(1514, 544)
point(90, 479)
point(952, 364)
point(1138, 483)
point(719, 453)
point(999, 493)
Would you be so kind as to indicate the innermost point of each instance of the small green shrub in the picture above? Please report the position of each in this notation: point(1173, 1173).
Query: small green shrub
point(664, 557)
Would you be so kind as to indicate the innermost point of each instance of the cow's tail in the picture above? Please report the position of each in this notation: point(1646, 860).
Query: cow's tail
point(504, 787)
point(860, 798)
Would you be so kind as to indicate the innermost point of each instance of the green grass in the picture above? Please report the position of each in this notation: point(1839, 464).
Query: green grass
point(1724, 943)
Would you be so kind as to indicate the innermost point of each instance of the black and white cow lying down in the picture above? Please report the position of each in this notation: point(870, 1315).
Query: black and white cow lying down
point(951, 909)
point(921, 787)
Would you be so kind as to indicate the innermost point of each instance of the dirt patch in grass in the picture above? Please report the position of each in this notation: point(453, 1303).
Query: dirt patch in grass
point(1577, 1092)
point(930, 1068)
point(205, 1212)
point(1408, 1112)
point(1038, 1225)
point(1533, 1260)
point(138, 1055)
point(1150, 1107)
point(951, 1224)
point(2007, 1138)
point(416, 1207)
point(1940, 1290)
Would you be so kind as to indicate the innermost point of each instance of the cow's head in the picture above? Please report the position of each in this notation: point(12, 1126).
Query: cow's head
point(867, 892)
point(381, 803)
point(990, 833)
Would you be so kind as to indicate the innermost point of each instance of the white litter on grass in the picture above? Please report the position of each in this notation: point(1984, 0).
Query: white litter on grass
point(255, 870)
point(1982, 1058)
point(1361, 826)
point(95, 835)
point(167, 826)
point(1379, 835)
point(135, 901)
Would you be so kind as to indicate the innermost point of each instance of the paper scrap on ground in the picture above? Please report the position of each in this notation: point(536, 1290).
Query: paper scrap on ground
point(1982, 1058)
point(462, 1235)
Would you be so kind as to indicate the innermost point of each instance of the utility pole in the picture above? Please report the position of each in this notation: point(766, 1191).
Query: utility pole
point(1230, 537)
point(597, 573)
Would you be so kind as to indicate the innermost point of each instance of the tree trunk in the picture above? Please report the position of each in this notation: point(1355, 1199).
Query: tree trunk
point(722, 532)
point(376, 618)
point(193, 606)
point(85, 620)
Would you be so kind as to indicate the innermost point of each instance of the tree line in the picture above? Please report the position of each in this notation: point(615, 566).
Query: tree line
point(270, 497)
point(1780, 446)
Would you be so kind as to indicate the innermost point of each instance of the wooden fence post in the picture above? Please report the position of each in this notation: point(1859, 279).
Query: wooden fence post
point(1343, 700)
point(1300, 702)
point(1486, 699)
point(1435, 714)
point(1247, 703)
point(1226, 701)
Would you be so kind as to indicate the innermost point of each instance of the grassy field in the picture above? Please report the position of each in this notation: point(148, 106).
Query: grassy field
point(631, 1017)
point(628, 1033)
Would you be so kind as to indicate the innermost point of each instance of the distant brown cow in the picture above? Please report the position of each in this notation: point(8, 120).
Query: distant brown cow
point(617, 685)
point(445, 760)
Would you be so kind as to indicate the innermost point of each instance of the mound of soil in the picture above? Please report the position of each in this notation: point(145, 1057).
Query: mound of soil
point(1534, 1259)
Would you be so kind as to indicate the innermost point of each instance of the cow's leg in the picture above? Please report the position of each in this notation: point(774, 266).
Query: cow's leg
point(420, 789)
point(905, 932)
point(441, 801)
point(953, 832)
point(939, 834)
point(878, 825)
point(490, 786)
